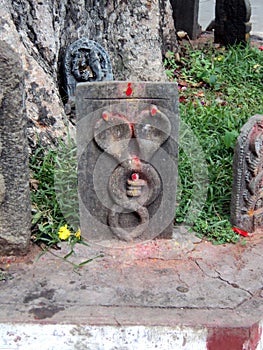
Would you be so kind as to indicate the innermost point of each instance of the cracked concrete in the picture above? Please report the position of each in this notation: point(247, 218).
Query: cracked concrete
point(178, 294)
point(149, 284)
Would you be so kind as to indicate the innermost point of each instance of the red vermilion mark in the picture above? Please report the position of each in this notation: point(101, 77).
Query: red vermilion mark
point(154, 110)
point(240, 232)
point(132, 128)
point(136, 163)
point(129, 90)
point(105, 115)
point(136, 159)
point(135, 176)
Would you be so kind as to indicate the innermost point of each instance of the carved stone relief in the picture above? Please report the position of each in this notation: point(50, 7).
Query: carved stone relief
point(142, 181)
point(127, 144)
point(85, 61)
point(247, 195)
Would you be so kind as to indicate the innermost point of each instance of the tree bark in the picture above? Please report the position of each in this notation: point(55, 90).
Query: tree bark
point(136, 34)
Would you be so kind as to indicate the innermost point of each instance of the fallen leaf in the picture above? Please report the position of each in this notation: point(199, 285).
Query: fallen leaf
point(34, 183)
point(182, 82)
point(182, 99)
point(200, 94)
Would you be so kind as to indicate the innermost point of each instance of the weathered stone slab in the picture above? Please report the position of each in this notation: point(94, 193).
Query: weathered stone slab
point(185, 14)
point(232, 24)
point(247, 193)
point(127, 137)
point(15, 219)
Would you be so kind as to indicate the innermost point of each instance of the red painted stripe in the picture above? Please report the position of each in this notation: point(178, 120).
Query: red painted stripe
point(255, 336)
point(234, 338)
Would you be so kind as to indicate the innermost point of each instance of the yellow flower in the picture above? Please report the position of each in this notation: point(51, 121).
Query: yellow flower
point(64, 233)
point(78, 234)
point(219, 58)
point(257, 67)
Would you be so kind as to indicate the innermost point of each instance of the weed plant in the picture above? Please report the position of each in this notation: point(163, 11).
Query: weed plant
point(55, 200)
point(54, 192)
point(219, 90)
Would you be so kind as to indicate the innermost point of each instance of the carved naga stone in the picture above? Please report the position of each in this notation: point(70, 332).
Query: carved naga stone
point(247, 193)
point(127, 159)
point(85, 61)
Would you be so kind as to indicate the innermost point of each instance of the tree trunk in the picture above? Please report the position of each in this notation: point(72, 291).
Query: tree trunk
point(136, 34)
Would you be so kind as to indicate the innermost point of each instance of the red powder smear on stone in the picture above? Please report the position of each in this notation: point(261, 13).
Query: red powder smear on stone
point(132, 128)
point(136, 163)
point(154, 110)
point(136, 159)
point(135, 177)
point(105, 115)
point(129, 90)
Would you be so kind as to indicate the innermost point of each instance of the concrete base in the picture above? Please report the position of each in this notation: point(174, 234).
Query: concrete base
point(147, 296)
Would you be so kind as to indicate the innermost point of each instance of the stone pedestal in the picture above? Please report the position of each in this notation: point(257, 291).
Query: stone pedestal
point(15, 208)
point(127, 136)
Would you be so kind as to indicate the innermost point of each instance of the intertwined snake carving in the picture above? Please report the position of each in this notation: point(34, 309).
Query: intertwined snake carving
point(134, 183)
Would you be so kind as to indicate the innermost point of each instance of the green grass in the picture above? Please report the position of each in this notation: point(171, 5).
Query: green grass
point(220, 89)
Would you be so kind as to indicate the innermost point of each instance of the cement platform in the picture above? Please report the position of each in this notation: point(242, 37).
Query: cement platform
point(160, 294)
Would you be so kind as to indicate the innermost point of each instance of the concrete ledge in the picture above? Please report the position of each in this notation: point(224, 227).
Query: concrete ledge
point(206, 297)
point(68, 337)
point(79, 336)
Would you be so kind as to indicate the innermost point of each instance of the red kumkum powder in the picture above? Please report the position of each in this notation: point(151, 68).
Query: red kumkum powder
point(129, 90)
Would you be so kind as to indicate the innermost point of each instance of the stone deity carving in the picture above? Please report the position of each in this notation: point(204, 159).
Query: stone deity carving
point(247, 194)
point(85, 61)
